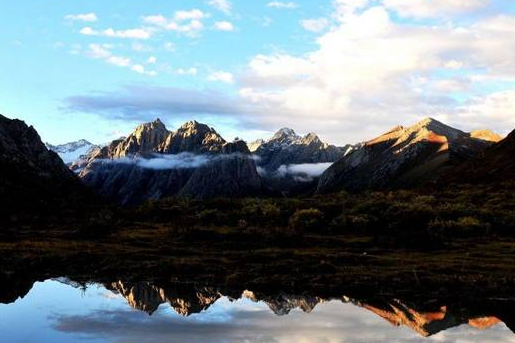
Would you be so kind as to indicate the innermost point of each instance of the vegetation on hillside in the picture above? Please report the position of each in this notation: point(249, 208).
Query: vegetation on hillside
point(402, 218)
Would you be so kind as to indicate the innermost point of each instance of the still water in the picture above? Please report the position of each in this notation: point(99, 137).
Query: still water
point(61, 311)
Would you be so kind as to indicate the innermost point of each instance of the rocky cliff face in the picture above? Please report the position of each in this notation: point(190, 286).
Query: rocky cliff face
point(32, 178)
point(153, 163)
point(404, 157)
point(235, 175)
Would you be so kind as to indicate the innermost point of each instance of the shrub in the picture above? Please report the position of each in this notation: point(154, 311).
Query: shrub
point(270, 211)
point(463, 227)
point(212, 216)
point(306, 220)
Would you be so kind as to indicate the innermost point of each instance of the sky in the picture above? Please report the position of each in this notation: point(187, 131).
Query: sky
point(345, 69)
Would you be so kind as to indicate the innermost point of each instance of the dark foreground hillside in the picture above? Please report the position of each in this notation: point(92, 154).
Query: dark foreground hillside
point(36, 187)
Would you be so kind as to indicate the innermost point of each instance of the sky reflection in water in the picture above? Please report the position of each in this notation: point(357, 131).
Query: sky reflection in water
point(54, 312)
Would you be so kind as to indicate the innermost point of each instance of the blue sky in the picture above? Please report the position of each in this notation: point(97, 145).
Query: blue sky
point(345, 69)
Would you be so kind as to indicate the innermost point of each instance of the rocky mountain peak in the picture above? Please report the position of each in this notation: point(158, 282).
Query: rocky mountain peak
point(311, 138)
point(255, 145)
point(403, 156)
point(437, 127)
point(194, 128)
point(191, 124)
point(236, 147)
point(153, 128)
point(192, 137)
point(145, 139)
point(486, 135)
point(428, 129)
point(284, 135)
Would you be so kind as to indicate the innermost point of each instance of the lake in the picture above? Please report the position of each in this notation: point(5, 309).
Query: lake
point(64, 311)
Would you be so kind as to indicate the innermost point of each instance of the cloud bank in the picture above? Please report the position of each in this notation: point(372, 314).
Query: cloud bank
point(166, 162)
point(158, 162)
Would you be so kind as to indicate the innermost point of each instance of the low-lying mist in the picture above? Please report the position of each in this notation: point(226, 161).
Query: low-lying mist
point(183, 160)
point(305, 172)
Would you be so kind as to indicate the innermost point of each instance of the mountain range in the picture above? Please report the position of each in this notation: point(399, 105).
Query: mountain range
point(153, 163)
point(196, 161)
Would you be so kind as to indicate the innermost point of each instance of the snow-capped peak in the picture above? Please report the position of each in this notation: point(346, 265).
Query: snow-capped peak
point(71, 152)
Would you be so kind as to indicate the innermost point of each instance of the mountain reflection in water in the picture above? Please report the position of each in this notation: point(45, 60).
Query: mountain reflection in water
point(63, 311)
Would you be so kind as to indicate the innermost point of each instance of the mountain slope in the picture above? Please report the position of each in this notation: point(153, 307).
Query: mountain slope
point(403, 157)
point(33, 180)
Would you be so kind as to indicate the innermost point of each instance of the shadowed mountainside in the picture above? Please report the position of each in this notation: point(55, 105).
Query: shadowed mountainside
point(34, 182)
point(495, 164)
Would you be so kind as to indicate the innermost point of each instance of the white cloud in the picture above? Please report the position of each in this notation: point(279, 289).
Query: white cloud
point(143, 33)
point(75, 49)
point(224, 26)
point(189, 71)
point(453, 64)
point(138, 68)
point(267, 22)
point(305, 172)
point(344, 8)
point(221, 76)
point(166, 162)
point(281, 4)
point(186, 22)
point(308, 169)
point(498, 107)
point(169, 46)
point(152, 60)
point(87, 17)
point(136, 46)
point(370, 73)
point(224, 6)
point(315, 25)
point(103, 52)
point(97, 51)
point(433, 8)
point(119, 61)
point(189, 15)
